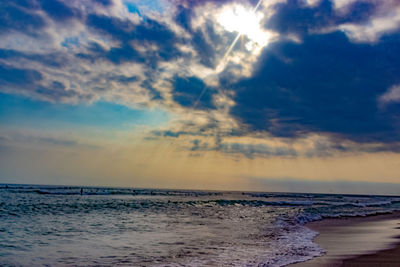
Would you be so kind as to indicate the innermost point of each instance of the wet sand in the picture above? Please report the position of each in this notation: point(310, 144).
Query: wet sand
point(360, 241)
point(386, 258)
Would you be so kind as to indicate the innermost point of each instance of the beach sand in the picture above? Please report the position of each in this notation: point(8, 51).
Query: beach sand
point(359, 241)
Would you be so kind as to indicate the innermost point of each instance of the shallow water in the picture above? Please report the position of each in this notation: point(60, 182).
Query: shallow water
point(143, 227)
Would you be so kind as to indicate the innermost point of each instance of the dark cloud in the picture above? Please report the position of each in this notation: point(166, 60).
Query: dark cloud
point(325, 84)
point(296, 18)
point(183, 17)
point(57, 10)
point(192, 92)
point(17, 76)
point(175, 134)
point(147, 84)
point(329, 148)
point(247, 150)
point(252, 150)
point(117, 55)
point(198, 145)
point(122, 54)
point(195, 3)
point(25, 15)
point(29, 80)
point(16, 16)
point(124, 79)
point(326, 149)
point(94, 52)
point(205, 50)
point(147, 32)
point(55, 91)
point(104, 2)
point(56, 60)
point(167, 133)
point(119, 29)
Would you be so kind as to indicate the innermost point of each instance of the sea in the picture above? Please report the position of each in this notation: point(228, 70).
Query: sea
point(99, 226)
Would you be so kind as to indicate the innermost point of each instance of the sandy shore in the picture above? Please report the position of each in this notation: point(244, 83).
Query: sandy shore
point(386, 258)
point(360, 241)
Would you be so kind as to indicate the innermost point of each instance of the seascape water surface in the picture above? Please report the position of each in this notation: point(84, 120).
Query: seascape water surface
point(56, 225)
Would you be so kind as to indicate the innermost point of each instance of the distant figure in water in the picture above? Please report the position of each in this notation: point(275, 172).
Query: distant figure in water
point(81, 191)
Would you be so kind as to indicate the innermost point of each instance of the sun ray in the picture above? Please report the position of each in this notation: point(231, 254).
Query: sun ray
point(222, 63)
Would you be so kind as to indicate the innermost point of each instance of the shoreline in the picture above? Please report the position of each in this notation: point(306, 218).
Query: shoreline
point(372, 240)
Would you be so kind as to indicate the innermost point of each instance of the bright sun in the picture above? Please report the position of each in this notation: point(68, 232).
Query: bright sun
point(244, 21)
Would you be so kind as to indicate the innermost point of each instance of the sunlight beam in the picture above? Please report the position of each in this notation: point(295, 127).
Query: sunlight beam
point(221, 65)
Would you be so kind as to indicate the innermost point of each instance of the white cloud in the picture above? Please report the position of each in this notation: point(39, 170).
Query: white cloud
point(392, 95)
point(373, 29)
point(341, 4)
point(385, 19)
point(312, 2)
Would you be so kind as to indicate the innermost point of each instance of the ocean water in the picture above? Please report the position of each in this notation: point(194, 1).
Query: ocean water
point(54, 225)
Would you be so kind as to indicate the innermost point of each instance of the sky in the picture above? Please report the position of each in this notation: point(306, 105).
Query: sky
point(260, 95)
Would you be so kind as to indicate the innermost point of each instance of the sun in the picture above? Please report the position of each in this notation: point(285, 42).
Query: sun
point(244, 21)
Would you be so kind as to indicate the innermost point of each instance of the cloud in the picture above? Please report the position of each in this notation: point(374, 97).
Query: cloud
point(148, 32)
point(16, 139)
point(56, 91)
point(197, 145)
point(55, 60)
point(325, 68)
point(191, 92)
point(17, 16)
point(326, 84)
point(10, 76)
point(323, 147)
point(253, 150)
point(176, 134)
point(392, 95)
point(293, 17)
point(57, 10)
point(152, 46)
point(63, 53)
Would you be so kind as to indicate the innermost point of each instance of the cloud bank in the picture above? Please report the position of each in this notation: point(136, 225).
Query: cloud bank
point(321, 71)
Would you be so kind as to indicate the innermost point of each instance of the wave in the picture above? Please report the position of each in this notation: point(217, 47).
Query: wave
point(272, 226)
point(75, 190)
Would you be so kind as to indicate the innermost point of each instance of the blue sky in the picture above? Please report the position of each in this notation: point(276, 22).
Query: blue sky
point(293, 80)
point(20, 111)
